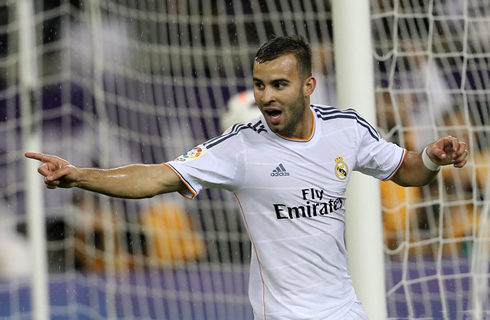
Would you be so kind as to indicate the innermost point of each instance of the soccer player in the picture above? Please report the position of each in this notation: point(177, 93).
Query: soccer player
point(289, 170)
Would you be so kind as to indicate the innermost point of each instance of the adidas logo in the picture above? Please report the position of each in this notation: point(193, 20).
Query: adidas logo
point(280, 171)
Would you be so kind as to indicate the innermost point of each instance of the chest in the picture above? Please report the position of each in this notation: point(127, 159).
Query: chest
point(311, 169)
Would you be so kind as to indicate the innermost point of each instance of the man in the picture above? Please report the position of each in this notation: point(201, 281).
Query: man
point(289, 170)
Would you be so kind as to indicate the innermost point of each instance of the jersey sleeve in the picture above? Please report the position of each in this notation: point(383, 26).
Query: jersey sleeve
point(212, 164)
point(376, 157)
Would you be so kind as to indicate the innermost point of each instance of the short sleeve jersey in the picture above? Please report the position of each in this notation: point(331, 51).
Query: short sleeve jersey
point(291, 195)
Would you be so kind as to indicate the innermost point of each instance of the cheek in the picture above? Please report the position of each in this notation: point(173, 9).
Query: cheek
point(257, 95)
point(291, 96)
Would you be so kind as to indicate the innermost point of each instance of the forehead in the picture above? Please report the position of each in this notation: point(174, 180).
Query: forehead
point(285, 66)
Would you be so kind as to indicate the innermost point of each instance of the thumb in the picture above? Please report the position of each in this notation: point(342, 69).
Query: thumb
point(60, 174)
point(437, 153)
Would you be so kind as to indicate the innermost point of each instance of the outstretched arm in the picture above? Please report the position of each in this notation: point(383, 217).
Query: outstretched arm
point(131, 181)
point(445, 151)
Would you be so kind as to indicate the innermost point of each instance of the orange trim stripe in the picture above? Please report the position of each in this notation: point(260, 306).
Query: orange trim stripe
point(186, 184)
point(256, 254)
point(401, 163)
point(311, 132)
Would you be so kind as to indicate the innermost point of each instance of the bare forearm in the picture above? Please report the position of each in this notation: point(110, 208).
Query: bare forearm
point(413, 172)
point(133, 181)
point(419, 169)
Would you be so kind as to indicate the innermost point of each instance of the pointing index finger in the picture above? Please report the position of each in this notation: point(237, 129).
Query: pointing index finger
point(39, 156)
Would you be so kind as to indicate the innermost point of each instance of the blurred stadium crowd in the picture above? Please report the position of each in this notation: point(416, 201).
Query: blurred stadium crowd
point(158, 104)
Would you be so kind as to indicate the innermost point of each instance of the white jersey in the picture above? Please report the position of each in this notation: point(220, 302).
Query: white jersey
point(291, 194)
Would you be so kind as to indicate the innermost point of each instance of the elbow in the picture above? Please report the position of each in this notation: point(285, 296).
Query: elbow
point(407, 184)
point(145, 195)
point(412, 182)
point(133, 196)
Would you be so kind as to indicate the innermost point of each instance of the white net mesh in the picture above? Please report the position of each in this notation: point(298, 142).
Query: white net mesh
point(432, 80)
point(144, 81)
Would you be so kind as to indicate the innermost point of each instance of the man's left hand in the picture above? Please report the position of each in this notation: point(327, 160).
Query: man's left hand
point(448, 150)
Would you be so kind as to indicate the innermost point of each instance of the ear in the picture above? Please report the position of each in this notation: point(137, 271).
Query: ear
point(309, 86)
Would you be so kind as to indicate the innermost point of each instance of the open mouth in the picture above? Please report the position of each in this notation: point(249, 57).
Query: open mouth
point(273, 114)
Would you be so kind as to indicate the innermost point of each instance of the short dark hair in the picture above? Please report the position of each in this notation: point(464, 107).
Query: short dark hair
point(279, 46)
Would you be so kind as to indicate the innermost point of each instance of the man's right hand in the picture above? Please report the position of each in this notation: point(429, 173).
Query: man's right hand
point(57, 172)
point(134, 181)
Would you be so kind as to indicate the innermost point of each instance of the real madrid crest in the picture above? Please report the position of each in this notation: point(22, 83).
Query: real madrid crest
point(341, 169)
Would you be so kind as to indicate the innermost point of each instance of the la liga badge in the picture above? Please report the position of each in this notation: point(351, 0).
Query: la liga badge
point(192, 154)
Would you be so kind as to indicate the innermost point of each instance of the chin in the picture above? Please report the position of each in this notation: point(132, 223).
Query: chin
point(274, 127)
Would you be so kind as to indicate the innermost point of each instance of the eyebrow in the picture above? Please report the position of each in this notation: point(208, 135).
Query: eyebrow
point(273, 81)
point(280, 80)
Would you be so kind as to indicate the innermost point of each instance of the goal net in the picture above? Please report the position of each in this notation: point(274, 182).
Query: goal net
point(432, 80)
point(144, 81)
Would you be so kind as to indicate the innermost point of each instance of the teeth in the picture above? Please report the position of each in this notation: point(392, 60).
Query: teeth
point(274, 114)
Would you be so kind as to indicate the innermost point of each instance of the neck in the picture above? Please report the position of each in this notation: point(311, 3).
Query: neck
point(303, 129)
point(306, 126)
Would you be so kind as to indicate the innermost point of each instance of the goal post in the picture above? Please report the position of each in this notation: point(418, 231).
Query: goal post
point(31, 140)
point(355, 89)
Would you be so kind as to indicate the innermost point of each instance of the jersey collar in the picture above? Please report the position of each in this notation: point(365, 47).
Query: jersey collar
point(312, 132)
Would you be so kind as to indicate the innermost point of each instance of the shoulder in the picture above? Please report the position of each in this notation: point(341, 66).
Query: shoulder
point(327, 113)
point(238, 133)
point(332, 116)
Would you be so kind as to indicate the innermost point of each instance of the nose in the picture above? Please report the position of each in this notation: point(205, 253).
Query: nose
point(268, 95)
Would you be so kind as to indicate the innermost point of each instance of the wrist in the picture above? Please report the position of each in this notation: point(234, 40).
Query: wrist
point(428, 162)
point(83, 178)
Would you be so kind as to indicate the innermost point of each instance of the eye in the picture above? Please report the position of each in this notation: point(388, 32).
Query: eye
point(259, 85)
point(280, 85)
